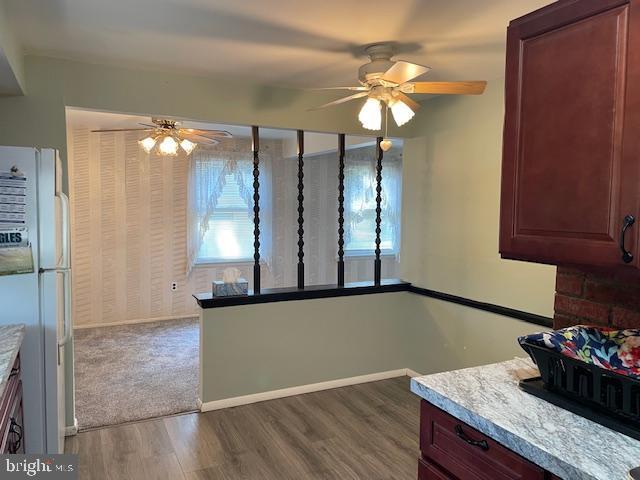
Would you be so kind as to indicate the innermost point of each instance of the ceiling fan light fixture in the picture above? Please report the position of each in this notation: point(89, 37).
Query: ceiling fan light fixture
point(187, 146)
point(147, 143)
point(370, 115)
point(167, 138)
point(168, 146)
point(401, 112)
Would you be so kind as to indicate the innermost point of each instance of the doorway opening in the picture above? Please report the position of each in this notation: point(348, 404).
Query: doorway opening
point(136, 330)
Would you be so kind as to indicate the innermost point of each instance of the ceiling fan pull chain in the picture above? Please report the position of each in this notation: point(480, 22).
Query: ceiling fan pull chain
point(386, 121)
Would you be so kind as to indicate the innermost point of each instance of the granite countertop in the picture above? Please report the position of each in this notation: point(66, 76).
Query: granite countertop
point(10, 341)
point(488, 399)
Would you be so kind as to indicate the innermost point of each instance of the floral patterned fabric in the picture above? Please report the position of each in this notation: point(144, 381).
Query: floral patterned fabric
point(616, 350)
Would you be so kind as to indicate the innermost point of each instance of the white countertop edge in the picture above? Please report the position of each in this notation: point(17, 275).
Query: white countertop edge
point(16, 333)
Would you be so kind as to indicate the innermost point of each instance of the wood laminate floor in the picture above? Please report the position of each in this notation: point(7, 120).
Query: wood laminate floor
point(367, 431)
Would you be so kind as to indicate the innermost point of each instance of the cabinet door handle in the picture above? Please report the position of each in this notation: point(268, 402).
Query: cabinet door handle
point(476, 443)
point(15, 429)
point(627, 256)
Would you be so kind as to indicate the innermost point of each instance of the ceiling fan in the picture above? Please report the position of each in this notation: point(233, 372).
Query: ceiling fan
point(167, 136)
point(387, 82)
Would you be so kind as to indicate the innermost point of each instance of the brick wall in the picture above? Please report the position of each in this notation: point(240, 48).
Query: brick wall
point(605, 299)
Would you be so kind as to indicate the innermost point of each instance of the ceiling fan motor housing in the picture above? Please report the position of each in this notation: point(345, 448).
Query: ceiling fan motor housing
point(164, 123)
point(380, 55)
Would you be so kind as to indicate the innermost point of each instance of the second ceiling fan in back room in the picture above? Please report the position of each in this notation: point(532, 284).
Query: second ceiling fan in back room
point(386, 82)
point(166, 137)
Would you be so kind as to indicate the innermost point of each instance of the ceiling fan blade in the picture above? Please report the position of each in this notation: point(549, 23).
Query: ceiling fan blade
point(342, 100)
point(209, 141)
point(402, 72)
point(207, 133)
point(199, 139)
point(123, 130)
point(453, 88)
point(413, 105)
point(357, 89)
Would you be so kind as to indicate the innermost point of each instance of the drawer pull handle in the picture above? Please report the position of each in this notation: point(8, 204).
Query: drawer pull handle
point(627, 256)
point(15, 429)
point(476, 443)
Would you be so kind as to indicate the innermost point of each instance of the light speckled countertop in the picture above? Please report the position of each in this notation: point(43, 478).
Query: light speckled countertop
point(570, 446)
point(10, 340)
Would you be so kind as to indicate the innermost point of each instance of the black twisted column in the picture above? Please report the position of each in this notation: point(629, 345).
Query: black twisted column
point(341, 210)
point(377, 266)
point(300, 210)
point(256, 209)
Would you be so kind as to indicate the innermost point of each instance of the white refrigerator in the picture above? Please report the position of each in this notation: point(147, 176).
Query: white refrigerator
point(40, 300)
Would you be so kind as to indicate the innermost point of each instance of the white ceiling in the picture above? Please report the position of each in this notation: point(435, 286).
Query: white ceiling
point(289, 42)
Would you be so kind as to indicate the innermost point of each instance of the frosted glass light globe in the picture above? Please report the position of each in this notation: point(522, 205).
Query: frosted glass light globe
point(370, 115)
point(401, 112)
point(187, 146)
point(147, 144)
point(168, 146)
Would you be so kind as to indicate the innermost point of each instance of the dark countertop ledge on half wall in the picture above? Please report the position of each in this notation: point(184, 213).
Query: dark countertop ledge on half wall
point(269, 295)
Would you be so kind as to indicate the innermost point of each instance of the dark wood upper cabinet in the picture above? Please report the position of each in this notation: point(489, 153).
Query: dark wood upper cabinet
point(571, 157)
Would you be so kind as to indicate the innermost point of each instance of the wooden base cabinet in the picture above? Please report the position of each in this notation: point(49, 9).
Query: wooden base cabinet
point(452, 450)
point(11, 414)
point(571, 150)
point(431, 471)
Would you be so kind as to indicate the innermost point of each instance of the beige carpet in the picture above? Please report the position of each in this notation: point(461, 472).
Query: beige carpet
point(133, 372)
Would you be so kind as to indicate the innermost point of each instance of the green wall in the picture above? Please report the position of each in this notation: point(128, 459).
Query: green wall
point(257, 348)
point(446, 336)
point(451, 214)
point(11, 58)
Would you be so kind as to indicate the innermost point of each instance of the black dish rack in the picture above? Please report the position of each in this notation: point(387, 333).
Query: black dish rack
point(601, 395)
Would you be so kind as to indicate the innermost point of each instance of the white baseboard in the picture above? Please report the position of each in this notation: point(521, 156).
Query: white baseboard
point(72, 430)
point(413, 373)
point(312, 387)
point(136, 321)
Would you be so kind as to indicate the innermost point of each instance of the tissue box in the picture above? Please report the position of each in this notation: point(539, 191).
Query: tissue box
point(221, 289)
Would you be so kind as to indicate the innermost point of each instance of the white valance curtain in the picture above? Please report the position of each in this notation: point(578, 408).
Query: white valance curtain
point(209, 169)
point(360, 189)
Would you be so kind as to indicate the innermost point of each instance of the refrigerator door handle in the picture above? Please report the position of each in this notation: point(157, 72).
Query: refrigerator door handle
point(65, 269)
point(67, 307)
point(66, 300)
point(64, 204)
point(54, 269)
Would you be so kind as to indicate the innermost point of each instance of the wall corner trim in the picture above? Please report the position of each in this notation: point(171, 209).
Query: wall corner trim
point(534, 318)
point(71, 430)
point(301, 389)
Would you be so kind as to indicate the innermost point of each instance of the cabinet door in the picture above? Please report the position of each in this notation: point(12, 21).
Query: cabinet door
point(571, 134)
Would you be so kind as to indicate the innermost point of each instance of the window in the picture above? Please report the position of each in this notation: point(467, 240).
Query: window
point(220, 211)
point(360, 202)
point(229, 232)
